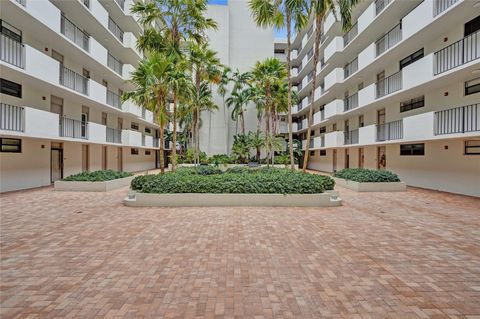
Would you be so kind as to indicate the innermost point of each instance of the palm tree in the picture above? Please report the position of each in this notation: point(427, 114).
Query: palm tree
point(272, 143)
point(222, 89)
point(240, 147)
point(320, 9)
point(239, 100)
point(279, 14)
point(256, 141)
point(151, 81)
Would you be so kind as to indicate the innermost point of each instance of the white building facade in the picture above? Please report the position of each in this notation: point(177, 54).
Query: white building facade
point(399, 91)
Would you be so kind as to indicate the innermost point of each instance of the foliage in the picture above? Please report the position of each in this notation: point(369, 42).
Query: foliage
point(238, 180)
point(363, 175)
point(282, 159)
point(97, 176)
point(218, 159)
point(189, 157)
point(241, 147)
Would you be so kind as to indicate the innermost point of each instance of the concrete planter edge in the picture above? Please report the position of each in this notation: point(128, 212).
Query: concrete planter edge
point(371, 187)
point(105, 186)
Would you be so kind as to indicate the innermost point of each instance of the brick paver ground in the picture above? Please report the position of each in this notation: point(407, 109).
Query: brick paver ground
point(381, 255)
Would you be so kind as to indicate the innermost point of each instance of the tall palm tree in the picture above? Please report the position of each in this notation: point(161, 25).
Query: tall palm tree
point(279, 14)
point(151, 81)
point(222, 89)
point(239, 100)
point(320, 9)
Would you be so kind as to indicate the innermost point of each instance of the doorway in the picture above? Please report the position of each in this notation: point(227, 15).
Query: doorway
point(85, 157)
point(84, 127)
point(381, 117)
point(56, 163)
point(334, 164)
point(361, 157)
point(347, 158)
point(119, 159)
point(381, 157)
point(104, 157)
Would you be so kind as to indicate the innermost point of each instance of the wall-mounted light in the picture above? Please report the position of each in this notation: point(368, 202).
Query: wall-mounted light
point(445, 94)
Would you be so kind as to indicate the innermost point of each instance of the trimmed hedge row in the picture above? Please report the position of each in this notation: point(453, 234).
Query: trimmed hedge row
point(97, 176)
point(363, 175)
point(234, 181)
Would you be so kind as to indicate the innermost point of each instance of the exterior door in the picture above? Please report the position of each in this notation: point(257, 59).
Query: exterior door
point(381, 117)
point(334, 164)
point(380, 82)
point(347, 158)
point(361, 157)
point(85, 157)
point(56, 164)
point(104, 157)
point(119, 159)
point(381, 157)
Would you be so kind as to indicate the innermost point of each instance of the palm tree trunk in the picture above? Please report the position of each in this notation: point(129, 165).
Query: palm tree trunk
point(289, 94)
point(318, 26)
point(243, 123)
point(197, 123)
point(162, 149)
point(174, 137)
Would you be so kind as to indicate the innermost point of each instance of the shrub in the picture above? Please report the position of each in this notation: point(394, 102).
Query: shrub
point(97, 176)
point(235, 180)
point(364, 175)
point(219, 159)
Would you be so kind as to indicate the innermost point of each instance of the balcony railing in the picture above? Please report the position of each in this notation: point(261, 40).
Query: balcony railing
point(322, 141)
point(73, 128)
point(461, 119)
point(72, 32)
point(12, 51)
point(380, 5)
point(350, 102)
point(144, 113)
point(309, 54)
point(114, 64)
point(22, 2)
point(113, 99)
point(350, 68)
point(156, 142)
point(12, 117)
point(350, 35)
point(458, 53)
point(86, 3)
point(389, 40)
point(114, 135)
point(73, 80)
point(441, 5)
point(299, 125)
point(389, 85)
point(121, 3)
point(115, 29)
point(390, 131)
point(351, 137)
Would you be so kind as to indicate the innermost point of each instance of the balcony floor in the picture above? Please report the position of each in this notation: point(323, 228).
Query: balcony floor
point(382, 255)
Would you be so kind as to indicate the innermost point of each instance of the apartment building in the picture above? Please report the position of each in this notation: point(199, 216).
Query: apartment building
point(63, 67)
point(399, 91)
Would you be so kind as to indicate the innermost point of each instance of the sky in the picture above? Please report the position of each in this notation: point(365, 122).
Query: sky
point(278, 33)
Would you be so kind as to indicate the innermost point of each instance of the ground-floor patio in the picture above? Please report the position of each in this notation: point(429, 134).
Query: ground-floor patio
point(381, 255)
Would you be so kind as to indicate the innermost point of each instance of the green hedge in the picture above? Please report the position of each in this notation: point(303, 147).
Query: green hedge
point(244, 180)
point(364, 175)
point(97, 176)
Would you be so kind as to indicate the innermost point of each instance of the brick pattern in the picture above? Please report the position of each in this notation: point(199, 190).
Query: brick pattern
point(381, 255)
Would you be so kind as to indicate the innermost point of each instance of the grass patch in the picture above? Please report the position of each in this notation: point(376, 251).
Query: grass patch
point(97, 176)
point(363, 175)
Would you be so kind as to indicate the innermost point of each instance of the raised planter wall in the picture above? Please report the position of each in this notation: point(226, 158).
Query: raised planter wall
point(73, 186)
point(371, 187)
point(225, 167)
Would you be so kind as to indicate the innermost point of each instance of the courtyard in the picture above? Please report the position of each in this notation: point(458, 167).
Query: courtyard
point(414, 254)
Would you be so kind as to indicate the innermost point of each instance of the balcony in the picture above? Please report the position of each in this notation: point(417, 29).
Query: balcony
point(72, 32)
point(73, 80)
point(156, 142)
point(121, 3)
point(12, 118)
point(458, 53)
point(293, 54)
point(350, 102)
point(350, 35)
point(390, 131)
point(380, 5)
point(114, 64)
point(389, 85)
point(389, 40)
point(461, 119)
point(22, 2)
point(113, 135)
point(350, 68)
point(28, 121)
point(73, 128)
point(441, 5)
point(115, 29)
point(113, 99)
point(334, 139)
point(12, 51)
point(333, 108)
point(350, 137)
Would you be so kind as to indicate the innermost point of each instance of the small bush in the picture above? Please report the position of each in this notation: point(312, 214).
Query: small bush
point(97, 176)
point(363, 175)
point(219, 159)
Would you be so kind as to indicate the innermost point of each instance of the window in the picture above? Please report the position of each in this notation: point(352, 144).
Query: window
point(361, 121)
point(472, 147)
point(134, 151)
point(279, 51)
point(10, 31)
point(10, 145)
point(10, 88)
point(147, 130)
point(412, 104)
point(323, 129)
point(147, 152)
point(472, 26)
point(312, 153)
point(323, 152)
point(411, 58)
point(134, 126)
point(472, 86)
point(412, 149)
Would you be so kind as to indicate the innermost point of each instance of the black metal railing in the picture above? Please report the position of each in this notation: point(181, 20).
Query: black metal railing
point(389, 40)
point(380, 5)
point(457, 120)
point(114, 64)
point(114, 135)
point(115, 29)
point(350, 35)
point(73, 128)
point(299, 125)
point(121, 3)
point(312, 143)
point(86, 3)
point(12, 117)
point(389, 85)
point(390, 131)
point(350, 102)
point(72, 32)
point(350, 68)
point(113, 99)
point(22, 2)
point(156, 142)
point(351, 137)
point(322, 141)
point(12, 51)
point(458, 53)
point(73, 80)
point(441, 5)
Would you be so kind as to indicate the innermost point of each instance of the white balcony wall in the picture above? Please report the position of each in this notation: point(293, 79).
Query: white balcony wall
point(148, 141)
point(366, 17)
point(97, 132)
point(329, 22)
point(148, 116)
point(131, 138)
point(304, 40)
point(318, 93)
point(334, 139)
point(317, 118)
point(293, 54)
point(41, 66)
point(305, 82)
point(41, 123)
point(294, 72)
point(417, 19)
point(366, 95)
point(129, 107)
point(97, 92)
point(367, 134)
point(336, 76)
point(99, 12)
point(334, 108)
point(98, 52)
point(127, 71)
point(317, 142)
point(367, 56)
point(45, 12)
point(418, 127)
point(418, 73)
point(130, 41)
point(336, 45)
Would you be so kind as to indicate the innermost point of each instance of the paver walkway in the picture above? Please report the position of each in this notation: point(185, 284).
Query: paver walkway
point(381, 255)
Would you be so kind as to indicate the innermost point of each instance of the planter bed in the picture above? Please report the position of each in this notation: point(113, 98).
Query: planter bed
point(224, 167)
point(101, 186)
point(371, 186)
point(327, 199)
